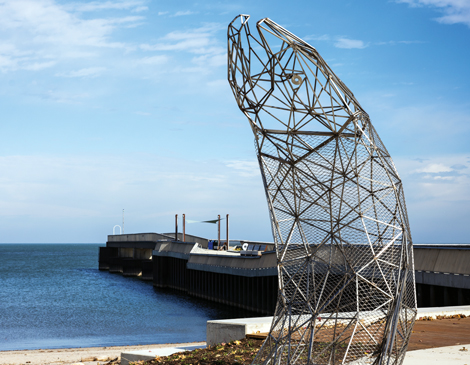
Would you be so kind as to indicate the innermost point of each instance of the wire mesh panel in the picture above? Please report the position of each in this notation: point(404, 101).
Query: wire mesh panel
point(338, 214)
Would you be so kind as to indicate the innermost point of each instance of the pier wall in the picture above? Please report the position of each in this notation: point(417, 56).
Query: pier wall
point(442, 272)
point(442, 275)
point(223, 277)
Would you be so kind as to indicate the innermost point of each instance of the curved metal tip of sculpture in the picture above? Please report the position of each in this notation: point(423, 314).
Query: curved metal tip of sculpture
point(338, 214)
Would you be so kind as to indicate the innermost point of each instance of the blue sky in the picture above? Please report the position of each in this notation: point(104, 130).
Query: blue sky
point(114, 104)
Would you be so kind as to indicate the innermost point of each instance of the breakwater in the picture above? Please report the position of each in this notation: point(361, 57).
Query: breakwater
point(249, 279)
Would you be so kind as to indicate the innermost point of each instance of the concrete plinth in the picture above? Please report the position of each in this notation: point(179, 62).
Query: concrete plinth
point(227, 330)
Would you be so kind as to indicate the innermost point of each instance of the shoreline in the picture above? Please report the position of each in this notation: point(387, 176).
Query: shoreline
point(77, 355)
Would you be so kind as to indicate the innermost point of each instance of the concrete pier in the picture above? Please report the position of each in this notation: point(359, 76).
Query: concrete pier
point(249, 281)
point(442, 275)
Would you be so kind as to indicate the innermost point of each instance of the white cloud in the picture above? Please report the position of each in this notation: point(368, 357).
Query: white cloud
point(344, 42)
point(154, 60)
point(437, 202)
point(441, 179)
point(178, 13)
point(133, 5)
point(349, 43)
point(36, 66)
point(215, 59)
point(217, 84)
point(84, 72)
point(46, 22)
point(455, 11)
point(40, 33)
point(244, 168)
point(435, 168)
point(201, 41)
point(393, 43)
point(183, 13)
point(198, 40)
point(324, 37)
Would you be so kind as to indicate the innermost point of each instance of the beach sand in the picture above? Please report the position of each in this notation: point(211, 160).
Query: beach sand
point(85, 355)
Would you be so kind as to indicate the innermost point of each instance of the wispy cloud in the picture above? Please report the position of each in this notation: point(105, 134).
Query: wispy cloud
point(183, 13)
point(339, 41)
point(455, 11)
point(440, 177)
point(153, 60)
point(36, 66)
point(178, 13)
point(244, 168)
point(84, 72)
point(38, 34)
point(62, 97)
point(350, 43)
point(324, 37)
point(133, 5)
point(201, 41)
point(435, 168)
point(198, 40)
point(392, 43)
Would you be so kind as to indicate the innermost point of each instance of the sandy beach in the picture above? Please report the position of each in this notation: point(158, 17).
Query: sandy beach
point(86, 355)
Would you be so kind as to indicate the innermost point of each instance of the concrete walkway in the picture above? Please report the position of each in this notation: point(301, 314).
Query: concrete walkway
point(235, 329)
point(451, 355)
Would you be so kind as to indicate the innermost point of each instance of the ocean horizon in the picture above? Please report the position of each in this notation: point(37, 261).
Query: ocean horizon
point(53, 296)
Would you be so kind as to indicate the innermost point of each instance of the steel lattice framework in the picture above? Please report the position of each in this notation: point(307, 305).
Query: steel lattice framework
point(337, 207)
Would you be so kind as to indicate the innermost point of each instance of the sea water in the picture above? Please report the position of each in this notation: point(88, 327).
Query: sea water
point(54, 296)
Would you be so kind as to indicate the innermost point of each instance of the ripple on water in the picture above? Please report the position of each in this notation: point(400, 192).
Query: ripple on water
point(53, 296)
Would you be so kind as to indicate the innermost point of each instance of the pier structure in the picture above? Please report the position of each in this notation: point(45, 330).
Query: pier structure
point(248, 282)
point(244, 279)
point(442, 274)
point(131, 254)
point(248, 279)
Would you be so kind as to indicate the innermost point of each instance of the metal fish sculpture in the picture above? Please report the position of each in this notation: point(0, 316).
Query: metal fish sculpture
point(336, 202)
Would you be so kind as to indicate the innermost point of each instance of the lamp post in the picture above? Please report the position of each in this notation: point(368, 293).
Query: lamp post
point(184, 227)
point(218, 237)
point(228, 245)
point(176, 227)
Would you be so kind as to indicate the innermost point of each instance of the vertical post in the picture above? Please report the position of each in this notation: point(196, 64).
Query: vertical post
point(228, 245)
point(176, 227)
point(184, 227)
point(218, 236)
point(123, 221)
point(432, 296)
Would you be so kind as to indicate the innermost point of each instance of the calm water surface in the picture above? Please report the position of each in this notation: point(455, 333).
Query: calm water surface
point(53, 296)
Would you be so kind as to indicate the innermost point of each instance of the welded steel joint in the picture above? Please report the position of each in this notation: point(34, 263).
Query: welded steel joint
point(336, 202)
